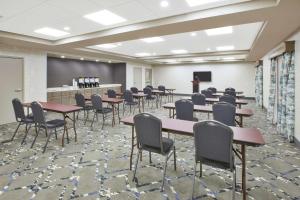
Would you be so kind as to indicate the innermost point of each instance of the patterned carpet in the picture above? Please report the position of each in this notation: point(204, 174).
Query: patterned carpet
point(97, 167)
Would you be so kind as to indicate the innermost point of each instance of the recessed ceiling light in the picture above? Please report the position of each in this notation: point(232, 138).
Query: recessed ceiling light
point(66, 28)
point(51, 32)
point(225, 48)
point(109, 61)
point(62, 56)
point(153, 39)
point(219, 31)
point(142, 54)
point(119, 44)
point(164, 4)
point(193, 3)
point(105, 17)
point(193, 34)
point(179, 51)
point(208, 49)
point(107, 46)
point(81, 58)
point(97, 60)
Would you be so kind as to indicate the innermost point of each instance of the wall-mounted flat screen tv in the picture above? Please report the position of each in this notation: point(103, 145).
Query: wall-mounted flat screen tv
point(204, 76)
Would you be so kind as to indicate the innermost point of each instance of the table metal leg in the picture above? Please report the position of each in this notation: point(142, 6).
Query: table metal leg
point(132, 147)
point(139, 104)
point(119, 113)
point(143, 104)
point(113, 114)
point(74, 126)
point(241, 120)
point(244, 171)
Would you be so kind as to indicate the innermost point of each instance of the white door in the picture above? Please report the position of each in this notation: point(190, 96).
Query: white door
point(11, 86)
point(137, 77)
point(148, 77)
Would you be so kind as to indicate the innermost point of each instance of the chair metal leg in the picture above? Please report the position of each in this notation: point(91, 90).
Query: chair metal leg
point(55, 131)
point(12, 138)
point(136, 164)
point(85, 119)
point(26, 132)
point(130, 108)
point(164, 173)
point(150, 160)
point(194, 176)
point(93, 120)
point(174, 152)
point(200, 169)
point(234, 184)
point(37, 133)
point(103, 120)
point(123, 109)
point(48, 138)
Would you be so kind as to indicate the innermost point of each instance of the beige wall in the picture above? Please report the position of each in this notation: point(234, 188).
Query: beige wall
point(35, 72)
point(238, 75)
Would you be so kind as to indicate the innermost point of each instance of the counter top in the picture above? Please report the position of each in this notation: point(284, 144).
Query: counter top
point(72, 88)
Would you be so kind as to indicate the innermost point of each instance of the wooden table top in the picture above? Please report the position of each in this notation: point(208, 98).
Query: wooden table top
point(208, 108)
point(247, 136)
point(221, 94)
point(56, 107)
point(107, 100)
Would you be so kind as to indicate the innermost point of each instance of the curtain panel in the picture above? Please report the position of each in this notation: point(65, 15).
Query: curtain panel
point(281, 109)
point(259, 85)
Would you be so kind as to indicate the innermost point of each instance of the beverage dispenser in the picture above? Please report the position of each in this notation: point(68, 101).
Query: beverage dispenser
point(97, 81)
point(86, 82)
point(92, 82)
point(81, 82)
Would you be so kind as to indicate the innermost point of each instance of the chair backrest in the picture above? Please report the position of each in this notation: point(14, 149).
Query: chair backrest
point(207, 93)
point(230, 92)
point(96, 102)
point(161, 88)
point(224, 113)
point(150, 86)
point(213, 89)
point(18, 109)
point(148, 130)
point(80, 100)
point(184, 109)
point(230, 88)
point(198, 99)
point(128, 97)
point(147, 91)
point(38, 113)
point(134, 90)
point(111, 93)
point(228, 98)
point(213, 143)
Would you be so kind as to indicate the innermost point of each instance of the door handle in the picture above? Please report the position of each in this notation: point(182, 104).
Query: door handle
point(18, 90)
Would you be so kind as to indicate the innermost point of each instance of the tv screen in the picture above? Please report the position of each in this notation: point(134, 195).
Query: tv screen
point(203, 76)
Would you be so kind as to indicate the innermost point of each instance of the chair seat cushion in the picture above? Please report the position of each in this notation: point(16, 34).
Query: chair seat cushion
point(150, 97)
point(29, 119)
point(105, 110)
point(55, 123)
point(88, 107)
point(167, 146)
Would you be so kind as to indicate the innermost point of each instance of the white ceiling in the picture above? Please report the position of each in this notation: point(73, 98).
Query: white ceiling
point(242, 38)
point(23, 17)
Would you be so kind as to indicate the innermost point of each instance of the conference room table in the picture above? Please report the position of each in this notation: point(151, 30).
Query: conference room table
point(157, 93)
point(63, 109)
point(139, 96)
point(115, 104)
point(238, 102)
point(218, 94)
point(170, 91)
point(241, 136)
point(240, 112)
